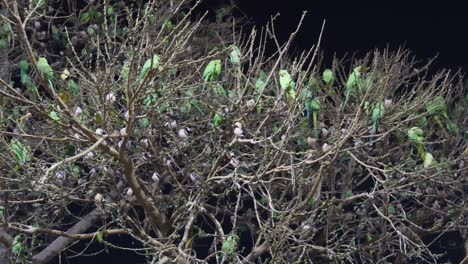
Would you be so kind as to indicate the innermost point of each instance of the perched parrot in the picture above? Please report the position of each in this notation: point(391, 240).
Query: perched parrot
point(354, 79)
point(437, 108)
point(315, 107)
point(235, 56)
point(24, 78)
point(229, 246)
point(217, 119)
point(288, 85)
point(377, 113)
point(46, 71)
point(327, 76)
point(211, 72)
point(150, 64)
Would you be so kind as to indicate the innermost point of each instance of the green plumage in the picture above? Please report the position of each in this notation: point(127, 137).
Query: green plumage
point(211, 72)
point(354, 80)
point(377, 113)
point(46, 71)
point(288, 86)
point(229, 246)
point(150, 64)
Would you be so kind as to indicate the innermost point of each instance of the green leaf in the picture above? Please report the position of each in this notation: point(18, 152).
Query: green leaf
point(151, 99)
point(85, 17)
point(110, 11)
point(3, 44)
point(168, 25)
point(17, 247)
point(349, 194)
point(73, 87)
point(54, 116)
point(220, 91)
point(391, 209)
point(328, 76)
point(144, 122)
point(91, 30)
point(452, 127)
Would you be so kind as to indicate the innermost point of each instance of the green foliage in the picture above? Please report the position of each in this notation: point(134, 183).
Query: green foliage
point(91, 15)
point(17, 247)
point(54, 116)
point(3, 44)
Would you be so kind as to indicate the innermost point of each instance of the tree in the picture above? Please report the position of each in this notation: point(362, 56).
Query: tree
point(131, 144)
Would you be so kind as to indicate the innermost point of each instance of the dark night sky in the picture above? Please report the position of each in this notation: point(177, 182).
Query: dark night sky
point(358, 26)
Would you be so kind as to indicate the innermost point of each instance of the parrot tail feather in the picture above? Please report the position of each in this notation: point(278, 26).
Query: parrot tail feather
point(52, 88)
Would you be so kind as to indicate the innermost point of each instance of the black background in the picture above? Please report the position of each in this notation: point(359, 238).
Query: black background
point(426, 28)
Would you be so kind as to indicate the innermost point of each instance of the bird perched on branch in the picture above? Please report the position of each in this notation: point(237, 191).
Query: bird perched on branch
point(288, 86)
point(47, 72)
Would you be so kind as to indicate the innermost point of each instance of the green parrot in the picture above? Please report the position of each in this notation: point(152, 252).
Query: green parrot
point(211, 72)
point(24, 78)
point(354, 79)
point(46, 71)
point(150, 64)
point(235, 56)
point(327, 76)
point(315, 107)
point(217, 119)
point(259, 87)
point(229, 246)
point(288, 85)
point(437, 108)
point(416, 135)
point(377, 113)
